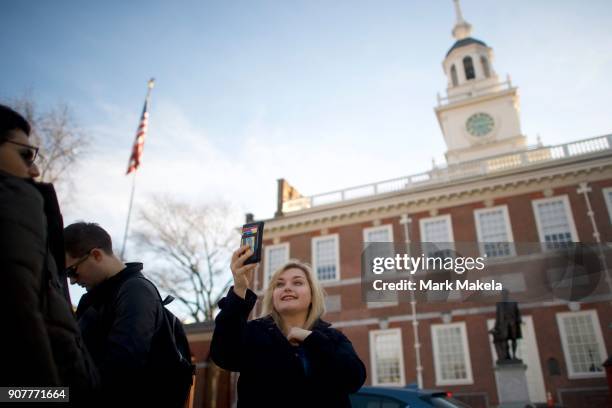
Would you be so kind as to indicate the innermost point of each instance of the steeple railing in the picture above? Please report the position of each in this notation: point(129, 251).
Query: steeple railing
point(473, 91)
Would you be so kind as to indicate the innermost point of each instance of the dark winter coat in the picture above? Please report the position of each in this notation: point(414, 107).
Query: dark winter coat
point(55, 231)
point(272, 374)
point(119, 318)
point(41, 343)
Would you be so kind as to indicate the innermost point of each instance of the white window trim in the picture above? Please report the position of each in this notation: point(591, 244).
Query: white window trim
point(568, 213)
point(598, 337)
point(446, 217)
point(267, 249)
point(387, 227)
point(314, 255)
point(466, 353)
point(381, 304)
point(506, 216)
point(373, 334)
point(606, 191)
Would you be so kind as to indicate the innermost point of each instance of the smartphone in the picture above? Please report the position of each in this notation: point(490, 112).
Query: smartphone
point(252, 235)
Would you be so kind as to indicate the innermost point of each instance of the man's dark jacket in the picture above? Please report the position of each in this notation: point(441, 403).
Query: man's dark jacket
point(41, 343)
point(272, 373)
point(119, 318)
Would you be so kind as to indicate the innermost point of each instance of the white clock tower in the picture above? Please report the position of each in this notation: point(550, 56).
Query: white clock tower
point(479, 117)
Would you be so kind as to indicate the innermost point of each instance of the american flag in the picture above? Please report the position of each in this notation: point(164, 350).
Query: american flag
point(141, 133)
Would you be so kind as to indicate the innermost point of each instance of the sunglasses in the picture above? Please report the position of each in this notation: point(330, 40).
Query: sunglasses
point(28, 153)
point(71, 271)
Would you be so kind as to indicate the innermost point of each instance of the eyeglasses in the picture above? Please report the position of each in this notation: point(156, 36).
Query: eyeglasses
point(71, 271)
point(28, 154)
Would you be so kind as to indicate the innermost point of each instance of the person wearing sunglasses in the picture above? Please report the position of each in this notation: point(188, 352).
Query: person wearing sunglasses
point(41, 342)
point(17, 155)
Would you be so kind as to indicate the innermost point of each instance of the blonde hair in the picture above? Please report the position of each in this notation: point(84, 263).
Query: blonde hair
point(317, 294)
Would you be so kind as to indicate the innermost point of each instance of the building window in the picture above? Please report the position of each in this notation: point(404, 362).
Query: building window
point(387, 357)
point(383, 233)
point(453, 72)
point(468, 66)
point(555, 222)
point(439, 232)
point(326, 257)
point(274, 257)
point(607, 192)
point(451, 354)
point(485, 66)
point(494, 231)
point(383, 236)
point(332, 303)
point(582, 342)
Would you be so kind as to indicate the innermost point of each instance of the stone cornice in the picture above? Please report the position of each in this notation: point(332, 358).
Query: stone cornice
point(501, 184)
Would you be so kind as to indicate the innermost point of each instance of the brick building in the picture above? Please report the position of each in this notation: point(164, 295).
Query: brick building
point(495, 188)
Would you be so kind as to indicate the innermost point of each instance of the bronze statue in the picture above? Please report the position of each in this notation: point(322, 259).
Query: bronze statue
point(507, 329)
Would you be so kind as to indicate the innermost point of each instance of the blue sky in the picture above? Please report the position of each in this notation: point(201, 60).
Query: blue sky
point(327, 94)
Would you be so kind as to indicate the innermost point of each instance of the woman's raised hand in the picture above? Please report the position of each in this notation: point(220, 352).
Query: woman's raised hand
point(243, 274)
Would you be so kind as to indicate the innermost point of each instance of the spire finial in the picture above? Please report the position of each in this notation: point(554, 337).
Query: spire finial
point(462, 28)
point(458, 11)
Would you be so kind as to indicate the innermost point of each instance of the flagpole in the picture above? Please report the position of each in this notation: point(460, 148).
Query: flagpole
point(150, 85)
point(127, 223)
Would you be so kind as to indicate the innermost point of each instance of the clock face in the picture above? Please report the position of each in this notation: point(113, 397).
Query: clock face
point(479, 124)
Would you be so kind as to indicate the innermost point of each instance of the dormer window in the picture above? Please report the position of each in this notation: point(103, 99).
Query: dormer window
point(453, 72)
point(468, 66)
point(485, 66)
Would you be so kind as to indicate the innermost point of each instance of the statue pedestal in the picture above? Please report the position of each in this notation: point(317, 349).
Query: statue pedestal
point(512, 385)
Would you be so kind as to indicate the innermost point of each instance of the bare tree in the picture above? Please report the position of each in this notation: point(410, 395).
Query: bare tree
point(191, 245)
point(60, 139)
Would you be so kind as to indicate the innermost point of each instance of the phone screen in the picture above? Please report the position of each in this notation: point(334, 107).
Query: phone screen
point(249, 236)
point(252, 235)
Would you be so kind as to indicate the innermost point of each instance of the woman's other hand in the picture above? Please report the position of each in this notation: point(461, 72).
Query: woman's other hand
point(297, 335)
point(242, 273)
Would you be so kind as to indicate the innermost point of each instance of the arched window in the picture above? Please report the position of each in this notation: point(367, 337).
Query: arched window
point(454, 75)
point(485, 66)
point(468, 66)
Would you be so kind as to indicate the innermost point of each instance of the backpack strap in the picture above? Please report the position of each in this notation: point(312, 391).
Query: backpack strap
point(167, 318)
point(164, 301)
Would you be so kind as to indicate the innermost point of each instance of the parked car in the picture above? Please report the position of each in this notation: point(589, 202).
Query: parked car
point(397, 397)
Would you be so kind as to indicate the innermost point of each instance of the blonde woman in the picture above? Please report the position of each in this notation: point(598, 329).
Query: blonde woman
point(289, 357)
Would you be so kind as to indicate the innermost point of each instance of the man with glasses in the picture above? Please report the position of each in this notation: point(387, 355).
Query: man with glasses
point(119, 316)
point(90, 258)
point(41, 343)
